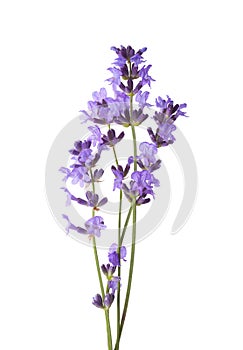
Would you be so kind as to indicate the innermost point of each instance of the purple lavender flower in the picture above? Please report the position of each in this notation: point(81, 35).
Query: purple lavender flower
point(141, 182)
point(92, 199)
point(141, 185)
point(77, 173)
point(95, 136)
point(120, 174)
point(146, 79)
point(127, 69)
point(95, 225)
point(101, 109)
point(122, 100)
point(137, 58)
point(132, 192)
point(160, 141)
point(110, 139)
point(113, 283)
point(108, 300)
point(108, 270)
point(128, 55)
point(141, 99)
point(133, 74)
point(147, 160)
point(138, 117)
point(98, 173)
point(91, 161)
point(70, 226)
point(165, 132)
point(128, 89)
point(148, 152)
point(71, 197)
point(116, 77)
point(169, 110)
point(165, 119)
point(113, 255)
point(163, 135)
point(80, 147)
point(144, 180)
point(84, 156)
point(124, 118)
point(97, 301)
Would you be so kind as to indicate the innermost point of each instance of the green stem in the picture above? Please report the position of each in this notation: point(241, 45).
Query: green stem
point(98, 268)
point(129, 284)
point(108, 329)
point(134, 210)
point(134, 147)
point(114, 151)
point(119, 270)
point(107, 318)
point(126, 224)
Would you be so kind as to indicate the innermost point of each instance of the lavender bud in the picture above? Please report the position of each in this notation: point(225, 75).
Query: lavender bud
point(97, 301)
point(109, 298)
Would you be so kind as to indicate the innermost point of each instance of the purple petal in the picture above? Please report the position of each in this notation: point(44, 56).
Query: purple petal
point(103, 201)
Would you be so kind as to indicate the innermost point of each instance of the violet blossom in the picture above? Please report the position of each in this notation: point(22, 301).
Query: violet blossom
point(140, 187)
point(106, 304)
point(147, 158)
point(120, 174)
point(108, 300)
point(71, 226)
point(126, 120)
point(92, 199)
point(113, 283)
point(108, 270)
point(101, 109)
point(93, 226)
point(114, 257)
point(110, 139)
point(97, 301)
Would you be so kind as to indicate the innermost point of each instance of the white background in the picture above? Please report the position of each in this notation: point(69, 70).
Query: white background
point(188, 287)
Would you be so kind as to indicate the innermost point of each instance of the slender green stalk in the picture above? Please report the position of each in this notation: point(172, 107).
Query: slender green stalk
point(134, 146)
point(114, 151)
point(126, 224)
point(121, 237)
point(107, 318)
point(108, 330)
point(134, 210)
point(98, 268)
point(129, 284)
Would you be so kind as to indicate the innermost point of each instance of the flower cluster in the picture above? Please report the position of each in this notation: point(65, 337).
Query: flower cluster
point(135, 180)
point(128, 75)
point(165, 118)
